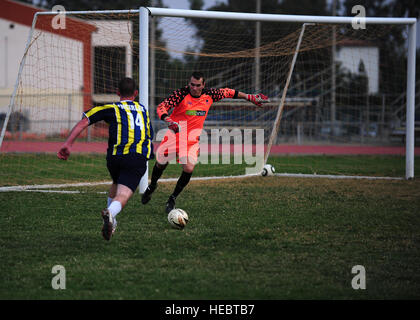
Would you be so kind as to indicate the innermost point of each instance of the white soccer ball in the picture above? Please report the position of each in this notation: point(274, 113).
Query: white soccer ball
point(268, 170)
point(178, 218)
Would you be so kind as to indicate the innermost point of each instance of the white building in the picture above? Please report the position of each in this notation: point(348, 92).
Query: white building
point(354, 56)
point(65, 70)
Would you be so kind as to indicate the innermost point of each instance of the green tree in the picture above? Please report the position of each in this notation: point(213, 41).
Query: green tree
point(244, 35)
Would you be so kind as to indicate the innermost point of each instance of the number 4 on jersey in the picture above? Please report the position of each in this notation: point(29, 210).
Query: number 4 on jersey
point(138, 122)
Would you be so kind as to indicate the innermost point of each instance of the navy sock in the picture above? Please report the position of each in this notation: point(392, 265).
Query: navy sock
point(157, 173)
point(182, 182)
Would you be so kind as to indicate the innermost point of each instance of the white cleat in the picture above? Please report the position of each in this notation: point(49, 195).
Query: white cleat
point(110, 224)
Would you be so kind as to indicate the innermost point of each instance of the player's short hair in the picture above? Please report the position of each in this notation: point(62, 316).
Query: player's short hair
point(127, 86)
point(198, 75)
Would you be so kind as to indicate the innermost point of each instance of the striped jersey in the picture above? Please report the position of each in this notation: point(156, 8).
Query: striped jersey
point(130, 129)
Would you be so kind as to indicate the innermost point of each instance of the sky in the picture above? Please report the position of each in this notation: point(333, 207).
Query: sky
point(183, 4)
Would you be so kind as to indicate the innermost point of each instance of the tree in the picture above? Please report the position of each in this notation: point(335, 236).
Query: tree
point(243, 37)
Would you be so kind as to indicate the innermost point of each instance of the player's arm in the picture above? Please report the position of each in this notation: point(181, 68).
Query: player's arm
point(65, 149)
point(257, 99)
point(219, 94)
point(167, 105)
point(91, 116)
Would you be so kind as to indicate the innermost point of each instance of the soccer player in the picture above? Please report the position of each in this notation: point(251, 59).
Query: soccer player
point(190, 108)
point(129, 148)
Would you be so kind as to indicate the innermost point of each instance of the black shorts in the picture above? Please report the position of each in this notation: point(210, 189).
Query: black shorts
point(127, 169)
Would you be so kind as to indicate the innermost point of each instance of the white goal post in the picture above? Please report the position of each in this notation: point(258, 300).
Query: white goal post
point(411, 60)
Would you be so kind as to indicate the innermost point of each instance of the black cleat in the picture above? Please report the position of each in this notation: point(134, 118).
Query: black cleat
point(147, 195)
point(170, 204)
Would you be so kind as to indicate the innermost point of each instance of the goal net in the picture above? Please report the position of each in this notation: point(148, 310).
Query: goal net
point(333, 89)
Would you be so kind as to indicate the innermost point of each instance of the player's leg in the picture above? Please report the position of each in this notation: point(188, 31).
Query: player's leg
point(165, 153)
point(109, 223)
point(133, 167)
point(123, 193)
point(188, 166)
point(112, 193)
point(157, 171)
point(105, 213)
point(156, 174)
point(126, 172)
point(121, 198)
point(184, 179)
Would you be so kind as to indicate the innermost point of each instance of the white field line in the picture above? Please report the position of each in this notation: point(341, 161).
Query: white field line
point(52, 186)
point(47, 187)
point(90, 184)
point(48, 191)
point(330, 176)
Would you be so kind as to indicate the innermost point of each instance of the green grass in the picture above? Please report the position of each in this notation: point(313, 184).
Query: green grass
point(253, 238)
point(28, 169)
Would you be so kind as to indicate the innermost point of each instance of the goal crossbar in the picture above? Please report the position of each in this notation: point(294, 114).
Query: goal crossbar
point(273, 17)
point(243, 16)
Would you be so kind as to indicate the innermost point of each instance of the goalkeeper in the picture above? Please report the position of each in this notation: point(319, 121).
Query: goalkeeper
point(190, 106)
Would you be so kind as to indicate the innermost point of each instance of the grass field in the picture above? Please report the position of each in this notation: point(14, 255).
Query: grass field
point(28, 169)
point(251, 238)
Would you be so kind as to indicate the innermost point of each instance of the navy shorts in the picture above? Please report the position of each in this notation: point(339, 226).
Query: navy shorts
point(127, 169)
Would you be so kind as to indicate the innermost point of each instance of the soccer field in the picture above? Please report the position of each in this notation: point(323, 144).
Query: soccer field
point(251, 238)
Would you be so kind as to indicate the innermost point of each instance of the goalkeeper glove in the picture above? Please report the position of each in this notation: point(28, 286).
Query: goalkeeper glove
point(257, 99)
point(174, 126)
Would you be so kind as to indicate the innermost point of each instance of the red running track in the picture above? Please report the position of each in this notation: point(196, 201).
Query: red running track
point(100, 147)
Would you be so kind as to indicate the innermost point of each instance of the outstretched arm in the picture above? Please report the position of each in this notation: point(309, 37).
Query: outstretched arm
point(65, 149)
point(257, 99)
point(219, 94)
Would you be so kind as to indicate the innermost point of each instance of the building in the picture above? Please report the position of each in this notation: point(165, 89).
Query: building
point(360, 56)
point(65, 67)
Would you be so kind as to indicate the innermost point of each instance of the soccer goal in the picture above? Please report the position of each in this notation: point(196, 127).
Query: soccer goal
point(334, 88)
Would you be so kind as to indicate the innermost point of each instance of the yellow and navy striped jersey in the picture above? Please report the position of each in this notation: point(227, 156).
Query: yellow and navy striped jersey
point(130, 129)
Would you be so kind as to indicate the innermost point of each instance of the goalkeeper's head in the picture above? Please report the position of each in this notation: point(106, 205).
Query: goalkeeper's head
point(196, 84)
point(127, 89)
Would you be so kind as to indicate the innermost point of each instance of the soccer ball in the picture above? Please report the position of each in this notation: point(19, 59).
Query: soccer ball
point(178, 218)
point(268, 170)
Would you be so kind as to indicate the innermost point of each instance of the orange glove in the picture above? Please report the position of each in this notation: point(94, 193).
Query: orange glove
point(174, 126)
point(257, 99)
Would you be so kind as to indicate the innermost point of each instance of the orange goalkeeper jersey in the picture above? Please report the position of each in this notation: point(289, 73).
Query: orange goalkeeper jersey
point(191, 111)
